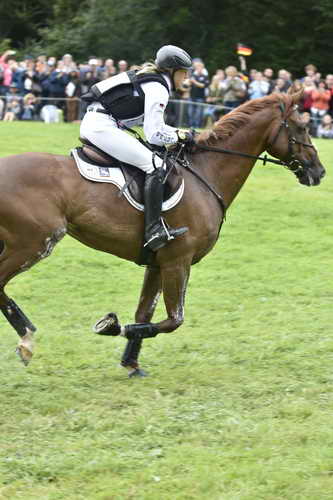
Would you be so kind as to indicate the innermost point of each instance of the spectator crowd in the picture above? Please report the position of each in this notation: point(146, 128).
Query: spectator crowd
point(49, 89)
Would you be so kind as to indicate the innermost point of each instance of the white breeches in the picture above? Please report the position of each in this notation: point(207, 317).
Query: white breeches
point(102, 130)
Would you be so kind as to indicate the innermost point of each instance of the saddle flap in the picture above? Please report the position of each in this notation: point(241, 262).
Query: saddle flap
point(134, 177)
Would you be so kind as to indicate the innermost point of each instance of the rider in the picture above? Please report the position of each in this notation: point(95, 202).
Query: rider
point(132, 98)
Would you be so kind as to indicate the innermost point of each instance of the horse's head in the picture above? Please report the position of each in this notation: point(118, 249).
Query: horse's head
point(289, 141)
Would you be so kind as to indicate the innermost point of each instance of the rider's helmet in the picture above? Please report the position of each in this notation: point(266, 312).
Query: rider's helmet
point(172, 57)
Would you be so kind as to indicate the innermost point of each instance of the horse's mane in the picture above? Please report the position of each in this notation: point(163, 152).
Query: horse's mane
point(226, 126)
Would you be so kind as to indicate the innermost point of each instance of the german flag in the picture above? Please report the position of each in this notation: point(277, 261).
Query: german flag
point(244, 50)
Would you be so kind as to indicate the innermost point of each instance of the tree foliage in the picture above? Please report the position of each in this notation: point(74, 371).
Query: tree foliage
point(284, 34)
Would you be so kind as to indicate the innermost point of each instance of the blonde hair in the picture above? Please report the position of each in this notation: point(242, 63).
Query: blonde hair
point(150, 67)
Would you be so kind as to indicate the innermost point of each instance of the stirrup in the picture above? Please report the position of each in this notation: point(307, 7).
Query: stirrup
point(163, 235)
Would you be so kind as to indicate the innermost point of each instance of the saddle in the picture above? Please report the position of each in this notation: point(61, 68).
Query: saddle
point(134, 177)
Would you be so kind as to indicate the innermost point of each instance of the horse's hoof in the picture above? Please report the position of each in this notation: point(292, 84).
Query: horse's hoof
point(24, 354)
point(108, 325)
point(137, 372)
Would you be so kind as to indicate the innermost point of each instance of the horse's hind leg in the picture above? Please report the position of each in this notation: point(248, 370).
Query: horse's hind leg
point(150, 294)
point(14, 259)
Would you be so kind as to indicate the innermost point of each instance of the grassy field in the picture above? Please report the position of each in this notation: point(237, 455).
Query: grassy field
point(239, 402)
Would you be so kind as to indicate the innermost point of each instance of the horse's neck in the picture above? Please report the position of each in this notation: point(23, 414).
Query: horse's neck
point(228, 173)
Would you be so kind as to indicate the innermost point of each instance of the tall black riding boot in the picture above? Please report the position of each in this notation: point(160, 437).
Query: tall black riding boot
point(157, 232)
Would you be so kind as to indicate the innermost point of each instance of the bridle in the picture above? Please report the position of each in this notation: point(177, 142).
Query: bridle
point(292, 163)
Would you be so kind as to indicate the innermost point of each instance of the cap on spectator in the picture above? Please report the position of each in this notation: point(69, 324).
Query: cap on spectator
point(13, 85)
point(28, 56)
point(93, 61)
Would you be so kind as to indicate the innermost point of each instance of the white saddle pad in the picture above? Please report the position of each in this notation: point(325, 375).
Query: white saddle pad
point(115, 176)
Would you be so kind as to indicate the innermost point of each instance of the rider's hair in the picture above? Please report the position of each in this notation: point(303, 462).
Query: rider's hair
point(150, 67)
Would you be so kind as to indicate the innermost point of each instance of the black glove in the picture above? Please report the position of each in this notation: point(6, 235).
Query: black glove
point(186, 137)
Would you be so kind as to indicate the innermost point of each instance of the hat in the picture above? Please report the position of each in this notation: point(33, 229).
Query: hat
point(93, 62)
point(13, 85)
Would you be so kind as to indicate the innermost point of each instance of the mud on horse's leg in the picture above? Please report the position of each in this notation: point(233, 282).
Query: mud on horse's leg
point(174, 282)
point(21, 324)
point(150, 294)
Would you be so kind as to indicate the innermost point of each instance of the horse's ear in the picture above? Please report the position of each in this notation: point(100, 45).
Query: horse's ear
point(296, 92)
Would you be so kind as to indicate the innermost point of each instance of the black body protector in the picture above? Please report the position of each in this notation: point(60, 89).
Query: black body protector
point(118, 97)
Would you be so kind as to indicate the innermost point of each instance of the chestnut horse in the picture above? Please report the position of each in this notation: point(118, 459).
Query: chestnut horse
point(43, 197)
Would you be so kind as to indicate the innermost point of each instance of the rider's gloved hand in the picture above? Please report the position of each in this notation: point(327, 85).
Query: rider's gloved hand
point(186, 137)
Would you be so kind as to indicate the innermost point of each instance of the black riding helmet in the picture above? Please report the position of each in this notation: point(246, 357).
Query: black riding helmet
point(172, 57)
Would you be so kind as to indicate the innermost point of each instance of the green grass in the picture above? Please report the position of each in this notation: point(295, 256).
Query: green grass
point(239, 402)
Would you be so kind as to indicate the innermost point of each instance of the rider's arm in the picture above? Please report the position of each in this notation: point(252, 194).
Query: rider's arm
point(154, 127)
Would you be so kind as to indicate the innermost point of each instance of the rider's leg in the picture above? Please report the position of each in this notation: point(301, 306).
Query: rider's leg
point(102, 130)
point(157, 233)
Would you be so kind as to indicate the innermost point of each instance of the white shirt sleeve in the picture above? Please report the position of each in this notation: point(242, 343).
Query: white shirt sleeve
point(154, 127)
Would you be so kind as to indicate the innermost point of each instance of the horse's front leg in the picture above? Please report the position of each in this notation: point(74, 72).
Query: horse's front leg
point(150, 294)
point(174, 278)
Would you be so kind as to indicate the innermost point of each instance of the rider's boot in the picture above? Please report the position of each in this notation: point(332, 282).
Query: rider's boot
point(157, 232)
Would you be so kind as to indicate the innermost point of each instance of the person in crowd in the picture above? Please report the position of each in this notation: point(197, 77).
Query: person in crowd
point(310, 125)
point(268, 75)
point(329, 84)
point(28, 76)
point(286, 77)
point(57, 85)
point(258, 87)
point(279, 87)
point(122, 66)
point(310, 72)
point(29, 108)
point(234, 89)
point(321, 97)
point(13, 104)
point(102, 125)
point(215, 98)
point(5, 71)
point(325, 127)
point(68, 63)
point(73, 93)
point(199, 83)
point(108, 69)
point(306, 101)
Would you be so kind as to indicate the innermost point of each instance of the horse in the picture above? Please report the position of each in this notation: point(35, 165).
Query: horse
point(43, 197)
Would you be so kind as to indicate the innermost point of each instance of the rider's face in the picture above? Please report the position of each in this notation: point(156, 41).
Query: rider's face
point(179, 76)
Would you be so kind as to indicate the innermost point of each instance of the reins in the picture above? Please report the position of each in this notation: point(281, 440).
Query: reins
point(265, 159)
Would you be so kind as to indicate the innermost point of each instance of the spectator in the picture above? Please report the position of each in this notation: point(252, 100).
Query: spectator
point(268, 75)
point(285, 75)
point(68, 63)
point(5, 71)
point(215, 98)
point(234, 88)
point(122, 66)
point(28, 76)
point(329, 83)
point(308, 86)
point(109, 69)
point(57, 84)
point(280, 86)
point(310, 125)
point(325, 128)
point(259, 87)
point(13, 106)
point(310, 71)
point(199, 83)
point(321, 97)
point(29, 111)
point(73, 92)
